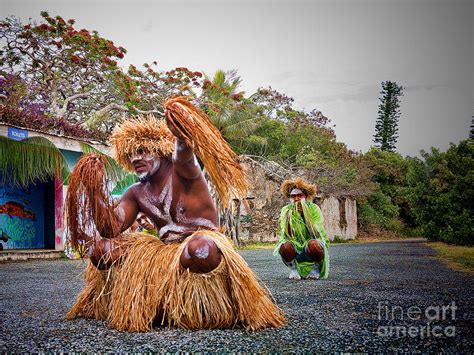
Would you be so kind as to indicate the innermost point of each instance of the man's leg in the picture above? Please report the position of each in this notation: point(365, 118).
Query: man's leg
point(288, 254)
point(201, 254)
point(315, 252)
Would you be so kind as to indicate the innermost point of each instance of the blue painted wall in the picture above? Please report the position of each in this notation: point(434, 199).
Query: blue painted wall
point(22, 216)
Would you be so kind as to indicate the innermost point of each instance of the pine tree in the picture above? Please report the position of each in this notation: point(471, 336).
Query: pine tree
point(386, 126)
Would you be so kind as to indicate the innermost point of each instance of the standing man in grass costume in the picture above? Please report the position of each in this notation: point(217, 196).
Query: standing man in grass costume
point(303, 244)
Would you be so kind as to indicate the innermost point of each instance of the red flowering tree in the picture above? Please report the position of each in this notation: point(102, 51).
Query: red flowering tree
point(74, 72)
point(146, 89)
point(75, 75)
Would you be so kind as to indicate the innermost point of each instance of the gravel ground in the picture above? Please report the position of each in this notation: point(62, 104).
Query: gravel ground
point(347, 312)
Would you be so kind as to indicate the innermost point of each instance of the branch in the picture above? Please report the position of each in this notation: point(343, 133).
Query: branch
point(101, 114)
point(63, 110)
point(82, 95)
point(110, 107)
point(158, 112)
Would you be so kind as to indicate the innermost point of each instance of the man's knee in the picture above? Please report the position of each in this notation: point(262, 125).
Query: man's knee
point(104, 253)
point(201, 254)
point(315, 251)
point(287, 252)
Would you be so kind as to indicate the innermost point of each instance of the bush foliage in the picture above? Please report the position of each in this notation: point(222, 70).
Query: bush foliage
point(441, 191)
point(433, 194)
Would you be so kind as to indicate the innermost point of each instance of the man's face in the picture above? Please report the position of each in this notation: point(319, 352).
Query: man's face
point(145, 164)
point(145, 222)
point(297, 197)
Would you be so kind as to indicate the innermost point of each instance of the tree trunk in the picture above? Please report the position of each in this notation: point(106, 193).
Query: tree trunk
point(237, 223)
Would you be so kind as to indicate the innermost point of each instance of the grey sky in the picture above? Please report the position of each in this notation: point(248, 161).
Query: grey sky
point(329, 55)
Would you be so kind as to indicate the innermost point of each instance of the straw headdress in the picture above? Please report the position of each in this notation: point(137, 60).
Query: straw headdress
point(143, 132)
point(308, 189)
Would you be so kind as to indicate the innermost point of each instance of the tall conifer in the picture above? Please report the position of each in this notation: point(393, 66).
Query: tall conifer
point(386, 125)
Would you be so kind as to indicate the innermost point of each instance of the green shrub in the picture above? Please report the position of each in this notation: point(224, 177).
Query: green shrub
point(441, 191)
point(378, 209)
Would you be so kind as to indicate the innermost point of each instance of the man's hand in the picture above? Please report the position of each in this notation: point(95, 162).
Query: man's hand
point(173, 125)
point(184, 161)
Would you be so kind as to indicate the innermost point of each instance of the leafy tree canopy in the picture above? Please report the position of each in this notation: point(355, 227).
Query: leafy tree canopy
point(441, 187)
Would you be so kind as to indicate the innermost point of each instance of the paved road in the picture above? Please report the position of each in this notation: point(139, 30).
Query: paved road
point(359, 308)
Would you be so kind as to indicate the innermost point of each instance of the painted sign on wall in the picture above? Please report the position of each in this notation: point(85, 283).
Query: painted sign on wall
point(17, 134)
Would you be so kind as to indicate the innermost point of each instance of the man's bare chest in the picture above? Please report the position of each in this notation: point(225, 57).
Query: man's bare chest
point(160, 205)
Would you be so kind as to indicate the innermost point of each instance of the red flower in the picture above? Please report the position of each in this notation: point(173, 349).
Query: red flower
point(43, 27)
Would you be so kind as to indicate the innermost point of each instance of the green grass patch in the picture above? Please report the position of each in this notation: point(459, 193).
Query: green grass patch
point(258, 245)
point(456, 256)
point(339, 240)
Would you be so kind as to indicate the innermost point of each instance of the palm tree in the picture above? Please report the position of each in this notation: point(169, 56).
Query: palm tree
point(233, 114)
point(37, 159)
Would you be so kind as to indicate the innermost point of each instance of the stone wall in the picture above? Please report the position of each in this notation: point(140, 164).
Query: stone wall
point(259, 219)
point(340, 217)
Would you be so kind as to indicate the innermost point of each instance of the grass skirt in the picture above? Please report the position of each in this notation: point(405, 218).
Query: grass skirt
point(150, 287)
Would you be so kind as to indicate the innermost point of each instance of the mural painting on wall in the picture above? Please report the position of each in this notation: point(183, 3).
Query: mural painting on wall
point(22, 217)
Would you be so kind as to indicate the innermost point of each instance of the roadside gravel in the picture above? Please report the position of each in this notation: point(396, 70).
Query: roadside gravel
point(351, 311)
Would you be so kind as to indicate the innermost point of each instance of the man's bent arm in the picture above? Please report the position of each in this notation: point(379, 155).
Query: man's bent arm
point(125, 214)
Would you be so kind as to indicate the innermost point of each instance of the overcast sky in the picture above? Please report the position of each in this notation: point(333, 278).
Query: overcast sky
point(331, 55)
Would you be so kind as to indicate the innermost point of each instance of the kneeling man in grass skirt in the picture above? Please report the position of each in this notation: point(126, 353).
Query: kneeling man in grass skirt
point(189, 277)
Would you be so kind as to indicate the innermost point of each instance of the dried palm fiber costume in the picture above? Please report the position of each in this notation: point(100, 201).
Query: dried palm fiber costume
point(149, 286)
point(299, 230)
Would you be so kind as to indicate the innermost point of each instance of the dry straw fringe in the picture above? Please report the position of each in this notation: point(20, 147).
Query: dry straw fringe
point(217, 156)
point(89, 206)
point(151, 287)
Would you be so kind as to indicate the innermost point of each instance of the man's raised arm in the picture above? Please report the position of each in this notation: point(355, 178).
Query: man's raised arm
point(184, 161)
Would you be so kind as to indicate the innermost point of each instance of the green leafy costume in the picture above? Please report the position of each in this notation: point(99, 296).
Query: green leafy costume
point(299, 230)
